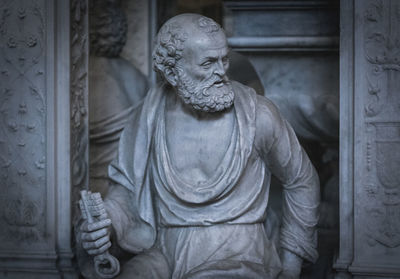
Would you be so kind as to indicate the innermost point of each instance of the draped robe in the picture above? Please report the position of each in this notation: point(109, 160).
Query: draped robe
point(213, 228)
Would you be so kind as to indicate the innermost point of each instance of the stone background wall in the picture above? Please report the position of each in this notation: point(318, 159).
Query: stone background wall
point(136, 49)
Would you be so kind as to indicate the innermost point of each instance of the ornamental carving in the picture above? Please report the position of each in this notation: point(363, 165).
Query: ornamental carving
point(79, 96)
point(382, 53)
point(22, 120)
point(384, 209)
point(21, 212)
point(381, 32)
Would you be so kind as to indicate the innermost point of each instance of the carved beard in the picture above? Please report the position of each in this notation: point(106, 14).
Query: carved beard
point(206, 96)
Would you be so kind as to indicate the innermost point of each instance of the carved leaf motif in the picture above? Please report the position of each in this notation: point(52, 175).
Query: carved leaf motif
point(382, 52)
point(21, 212)
point(12, 43)
point(374, 12)
point(31, 41)
point(22, 108)
point(13, 126)
point(373, 107)
point(40, 164)
point(21, 13)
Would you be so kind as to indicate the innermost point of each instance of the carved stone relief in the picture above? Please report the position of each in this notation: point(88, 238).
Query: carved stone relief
point(79, 94)
point(34, 138)
point(382, 51)
point(370, 140)
point(23, 122)
point(377, 192)
point(384, 190)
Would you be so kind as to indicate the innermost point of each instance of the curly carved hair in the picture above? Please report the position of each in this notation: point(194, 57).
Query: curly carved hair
point(170, 41)
point(108, 28)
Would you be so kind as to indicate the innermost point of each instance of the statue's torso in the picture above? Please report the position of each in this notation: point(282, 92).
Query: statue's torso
point(197, 146)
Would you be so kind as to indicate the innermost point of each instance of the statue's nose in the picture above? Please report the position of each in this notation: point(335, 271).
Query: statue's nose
point(219, 69)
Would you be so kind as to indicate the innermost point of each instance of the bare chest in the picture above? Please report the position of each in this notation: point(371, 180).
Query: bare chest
point(197, 148)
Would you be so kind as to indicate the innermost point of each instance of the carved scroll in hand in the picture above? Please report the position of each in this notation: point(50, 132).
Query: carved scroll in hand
point(92, 208)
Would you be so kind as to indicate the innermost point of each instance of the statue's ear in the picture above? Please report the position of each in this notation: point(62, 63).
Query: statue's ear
point(171, 76)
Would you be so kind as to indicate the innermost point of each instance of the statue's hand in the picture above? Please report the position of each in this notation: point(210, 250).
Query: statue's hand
point(95, 237)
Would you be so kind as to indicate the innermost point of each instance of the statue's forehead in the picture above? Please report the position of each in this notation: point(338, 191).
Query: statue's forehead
point(200, 41)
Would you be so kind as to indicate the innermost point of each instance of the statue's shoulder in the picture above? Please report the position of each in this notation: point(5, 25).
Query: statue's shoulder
point(265, 108)
point(269, 121)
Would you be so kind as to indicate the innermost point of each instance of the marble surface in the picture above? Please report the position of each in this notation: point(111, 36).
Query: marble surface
point(163, 204)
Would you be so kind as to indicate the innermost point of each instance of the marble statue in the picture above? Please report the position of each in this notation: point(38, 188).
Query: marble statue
point(115, 87)
point(190, 187)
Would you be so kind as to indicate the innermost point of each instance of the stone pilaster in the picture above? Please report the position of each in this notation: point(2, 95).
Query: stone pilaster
point(43, 85)
point(370, 139)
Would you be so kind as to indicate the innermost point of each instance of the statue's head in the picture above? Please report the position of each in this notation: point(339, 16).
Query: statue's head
point(191, 54)
point(108, 28)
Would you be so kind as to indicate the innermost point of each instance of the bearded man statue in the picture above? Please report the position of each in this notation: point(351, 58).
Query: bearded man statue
point(190, 186)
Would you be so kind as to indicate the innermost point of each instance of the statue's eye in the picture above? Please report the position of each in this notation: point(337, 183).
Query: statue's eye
point(225, 60)
point(206, 64)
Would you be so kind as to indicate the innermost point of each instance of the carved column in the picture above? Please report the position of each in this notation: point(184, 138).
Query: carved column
point(79, 99)
point(370, 139)
point(43, 145)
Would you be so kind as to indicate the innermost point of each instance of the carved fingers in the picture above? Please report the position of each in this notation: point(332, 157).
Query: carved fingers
point(95, 237)
point(95, 226)
point(101, 249)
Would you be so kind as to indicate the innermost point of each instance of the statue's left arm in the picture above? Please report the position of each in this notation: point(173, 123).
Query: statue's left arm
point(279, 147)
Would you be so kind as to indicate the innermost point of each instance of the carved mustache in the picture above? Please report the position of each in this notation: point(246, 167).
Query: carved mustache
point(213, 81)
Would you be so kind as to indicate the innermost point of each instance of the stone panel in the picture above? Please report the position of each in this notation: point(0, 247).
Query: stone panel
point(282, 25)
point(23, 102)
point(35, 137)
point(377, 137)
point(370, 180)
point(281, 18)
